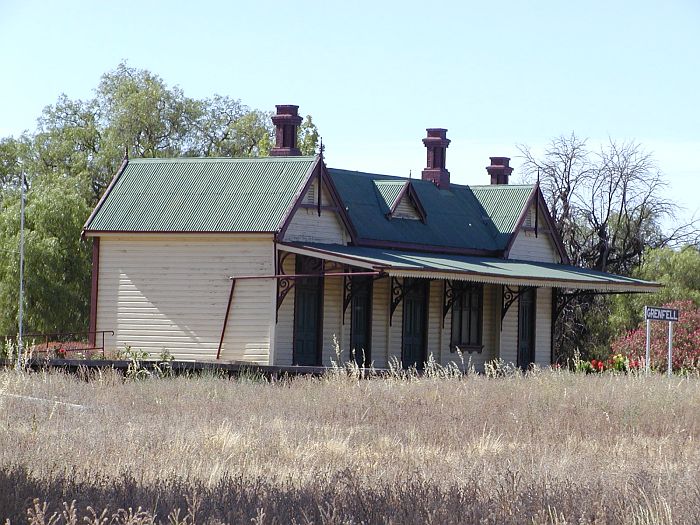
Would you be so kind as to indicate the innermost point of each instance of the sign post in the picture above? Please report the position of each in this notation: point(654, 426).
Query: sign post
point(655, 313)
point(648, 354)
point(670, 347)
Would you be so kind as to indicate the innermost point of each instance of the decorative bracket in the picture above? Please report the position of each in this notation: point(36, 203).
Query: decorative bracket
point(447, 299)
point(509, 296)
point(350, 289)
point(284, 285)
point(399, 289)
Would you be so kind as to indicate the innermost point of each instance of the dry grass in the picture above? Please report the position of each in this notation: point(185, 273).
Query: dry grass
point(551, 447)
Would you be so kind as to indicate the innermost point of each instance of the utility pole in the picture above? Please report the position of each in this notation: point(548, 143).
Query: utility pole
point(21, 272)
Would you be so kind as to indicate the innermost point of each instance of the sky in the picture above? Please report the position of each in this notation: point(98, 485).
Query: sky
point(374, 75)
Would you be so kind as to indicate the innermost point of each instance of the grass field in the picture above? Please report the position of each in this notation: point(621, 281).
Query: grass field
point(550, 447)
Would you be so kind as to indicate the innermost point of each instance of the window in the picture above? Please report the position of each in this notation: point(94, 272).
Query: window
point(467, 308)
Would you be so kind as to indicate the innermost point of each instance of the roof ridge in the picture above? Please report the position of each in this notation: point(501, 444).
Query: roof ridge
point(501, 186)
point(146, 160)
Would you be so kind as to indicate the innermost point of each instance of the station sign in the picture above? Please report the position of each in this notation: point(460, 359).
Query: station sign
point(655, 313)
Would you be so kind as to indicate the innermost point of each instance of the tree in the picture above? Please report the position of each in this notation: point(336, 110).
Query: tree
point(308, 137)
point(677, 270)
point(608, 209)
point(57, 262)
point(68, 162)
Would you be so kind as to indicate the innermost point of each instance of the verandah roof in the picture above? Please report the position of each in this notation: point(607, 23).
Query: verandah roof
point(487, 270)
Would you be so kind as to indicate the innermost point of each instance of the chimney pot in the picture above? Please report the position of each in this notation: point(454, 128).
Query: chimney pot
point(436, 143)
point(286, 122)
point(499, 170)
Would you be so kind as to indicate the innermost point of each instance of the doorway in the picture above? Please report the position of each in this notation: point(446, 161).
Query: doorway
point(527, 303)
point(308, 313)
point(415, 322)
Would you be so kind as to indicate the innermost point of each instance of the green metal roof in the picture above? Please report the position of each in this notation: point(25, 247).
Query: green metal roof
point(455, 217)
point(388, 191)
point(503, 203)
point(477, 269)
point(201, 195)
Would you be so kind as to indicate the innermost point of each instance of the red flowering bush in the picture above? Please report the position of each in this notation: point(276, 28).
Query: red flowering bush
point(686, 341)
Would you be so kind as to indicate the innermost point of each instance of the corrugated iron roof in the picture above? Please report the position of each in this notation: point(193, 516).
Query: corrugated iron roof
point(388, 191)
point(202, 194)
point(503, 203)
point(457, 217)
point(477, 269)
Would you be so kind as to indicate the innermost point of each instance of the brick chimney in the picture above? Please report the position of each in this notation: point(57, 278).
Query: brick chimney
point(286, 122)
point(436, 142)
point(499, 170)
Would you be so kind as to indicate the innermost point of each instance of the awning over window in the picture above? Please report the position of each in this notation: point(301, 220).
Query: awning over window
point(469, 268)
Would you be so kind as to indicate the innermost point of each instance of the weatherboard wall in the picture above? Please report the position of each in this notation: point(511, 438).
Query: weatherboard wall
point(543, 331)
point(307, 226)
point(530, 247)
point(284, 331)
point(169, 293)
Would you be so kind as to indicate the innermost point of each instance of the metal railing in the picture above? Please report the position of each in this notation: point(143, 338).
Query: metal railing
point(61, 343)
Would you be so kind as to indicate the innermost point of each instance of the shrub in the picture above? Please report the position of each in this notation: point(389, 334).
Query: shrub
point(686, 340)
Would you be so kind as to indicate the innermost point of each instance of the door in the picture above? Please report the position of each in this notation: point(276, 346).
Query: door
point(526, 327)
point(360, 327)
point(308, 304)
point(415, 322)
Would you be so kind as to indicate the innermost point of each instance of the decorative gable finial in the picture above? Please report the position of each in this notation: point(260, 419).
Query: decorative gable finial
point(126, 152)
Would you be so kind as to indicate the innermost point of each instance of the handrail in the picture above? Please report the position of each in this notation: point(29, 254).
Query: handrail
point(48, 336)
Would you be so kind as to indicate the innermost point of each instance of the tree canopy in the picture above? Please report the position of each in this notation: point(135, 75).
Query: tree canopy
point(609, 209)
point(70, 158)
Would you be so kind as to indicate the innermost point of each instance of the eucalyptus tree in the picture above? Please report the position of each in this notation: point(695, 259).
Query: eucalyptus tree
point(71, 157)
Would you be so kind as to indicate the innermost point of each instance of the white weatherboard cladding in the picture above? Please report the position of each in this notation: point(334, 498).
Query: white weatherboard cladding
point(527, 247)
point(284, 332)
point(332, 318)
point(434, 345)
point(543, 330)
point(170, 293)
point(307, 226)
point(380, 322)
point(406, 210)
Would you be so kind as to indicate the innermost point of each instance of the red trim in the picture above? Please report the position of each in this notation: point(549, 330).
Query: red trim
point(553, 230)
point(93, 290)
point(536, 195)
point(398, 198)
point(189, 232)
point(303, 275)
point(339, 203)
point(335, 197)
point(228, 309)
point(114, 180)
point(297, 199)
point(409, 190)
point(519, 223)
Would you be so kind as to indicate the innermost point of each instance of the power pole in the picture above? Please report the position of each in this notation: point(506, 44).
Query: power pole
point(21, 273)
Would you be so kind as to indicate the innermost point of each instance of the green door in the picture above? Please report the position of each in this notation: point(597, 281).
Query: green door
point(526, 327)
point(415, 321)
point(360, 327)
point(308, 303)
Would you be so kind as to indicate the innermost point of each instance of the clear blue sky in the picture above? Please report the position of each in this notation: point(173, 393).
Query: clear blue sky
point(375, 74)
